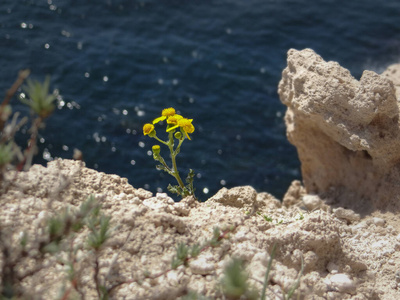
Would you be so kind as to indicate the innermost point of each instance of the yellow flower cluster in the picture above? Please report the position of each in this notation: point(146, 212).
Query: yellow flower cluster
point(173, 120)
point(178, 128)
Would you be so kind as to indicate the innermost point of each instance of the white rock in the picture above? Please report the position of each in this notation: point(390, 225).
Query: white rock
point(182, 208)
point(346, 214)
point(165, 197)
point(143, 194)
point(332, 268)
point(173, 277)
point(135, 200)
point(42, 217)
point(203, 265)
point(380, 244)
point(245, 251)
point(242, 235)
point(312, 201)
point(379, 221)
point(357, 227)
point(155, 204)
point(341, 283)
point(310, 259)
point(262, 257)
point(120, 197)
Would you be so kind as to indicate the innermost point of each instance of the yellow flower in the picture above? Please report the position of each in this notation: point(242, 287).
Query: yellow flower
point(185, 125)
point(165, 114)
point(174, 119)
point(148, 129)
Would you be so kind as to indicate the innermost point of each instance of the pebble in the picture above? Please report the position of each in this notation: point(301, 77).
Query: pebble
point(341, 283)
point(164, 197)
point(120, 197)
point(202, 266)
point(312, 202)
point(332, 268)
point(143, 194)
point(346, 214)
point(379, 222)
point(155, 204)
point(182, 208)
point(241, 236)
point(173, 277)
point(357, 227)
point(42, 217)
point(135, 200)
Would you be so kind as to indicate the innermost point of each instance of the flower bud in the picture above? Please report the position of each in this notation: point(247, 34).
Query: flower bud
point(156, 149)
point(178, 135)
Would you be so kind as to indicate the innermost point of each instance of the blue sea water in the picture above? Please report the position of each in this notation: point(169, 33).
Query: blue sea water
point(117, 64)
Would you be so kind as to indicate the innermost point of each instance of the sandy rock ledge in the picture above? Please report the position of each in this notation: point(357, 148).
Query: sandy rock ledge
point(345, 257)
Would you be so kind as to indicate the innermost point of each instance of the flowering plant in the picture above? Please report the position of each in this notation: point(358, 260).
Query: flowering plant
point(178, 128)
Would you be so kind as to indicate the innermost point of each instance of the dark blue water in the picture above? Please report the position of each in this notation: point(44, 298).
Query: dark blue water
point(117, 64)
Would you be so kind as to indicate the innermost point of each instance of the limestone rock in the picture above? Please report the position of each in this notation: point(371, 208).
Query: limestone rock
point(346, 214)
point(293, 194)
point(346, 131)
point(241, 196)
point(312, 201)
point(341, 283)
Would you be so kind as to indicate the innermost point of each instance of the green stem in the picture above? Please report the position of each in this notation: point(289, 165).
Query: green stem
point(179, 146)
point(173, 154)
point(176, 173)
point(161, 160)
point(161, 141)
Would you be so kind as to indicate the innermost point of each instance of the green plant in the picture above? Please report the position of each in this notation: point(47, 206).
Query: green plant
point(58, 238)
point(39, 99)
point(267, 218)
point(41, 103)
point(235, 282)
point(178, 128)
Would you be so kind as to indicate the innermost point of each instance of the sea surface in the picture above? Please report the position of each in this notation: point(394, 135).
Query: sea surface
point(117, 64)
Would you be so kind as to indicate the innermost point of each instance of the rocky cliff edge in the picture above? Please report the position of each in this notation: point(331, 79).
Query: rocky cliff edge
point(345, 132)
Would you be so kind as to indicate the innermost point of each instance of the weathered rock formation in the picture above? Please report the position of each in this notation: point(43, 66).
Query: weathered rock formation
point(344, 257)
point(346, 131)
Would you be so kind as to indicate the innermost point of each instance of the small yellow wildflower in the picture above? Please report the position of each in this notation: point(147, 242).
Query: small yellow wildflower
point(174, 119)
point(186, 126)
point(165, 114)
point(148, 128)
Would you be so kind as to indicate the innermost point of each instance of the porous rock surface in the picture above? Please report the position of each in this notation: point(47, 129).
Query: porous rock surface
point(345, 256)
point(346, 131)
